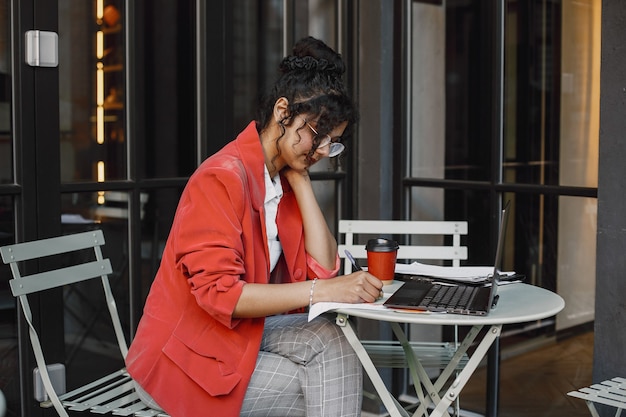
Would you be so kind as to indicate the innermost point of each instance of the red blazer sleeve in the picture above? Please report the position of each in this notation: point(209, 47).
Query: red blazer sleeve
point(209, 236)
point(316, 270)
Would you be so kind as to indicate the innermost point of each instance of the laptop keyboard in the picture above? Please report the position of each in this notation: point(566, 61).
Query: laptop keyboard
point(446, 297)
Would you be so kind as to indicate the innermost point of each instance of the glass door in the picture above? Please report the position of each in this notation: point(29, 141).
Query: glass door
point(29, 184)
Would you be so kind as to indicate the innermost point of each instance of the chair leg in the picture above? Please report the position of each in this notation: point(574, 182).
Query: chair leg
point(592, 409)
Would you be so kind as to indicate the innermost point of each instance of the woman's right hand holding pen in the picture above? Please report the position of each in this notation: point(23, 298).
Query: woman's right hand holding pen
point(357, 287)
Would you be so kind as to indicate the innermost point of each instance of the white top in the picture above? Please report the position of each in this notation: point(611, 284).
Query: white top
point(273, 194)
point(518, 303)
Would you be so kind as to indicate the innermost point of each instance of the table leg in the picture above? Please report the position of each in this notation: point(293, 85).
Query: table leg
point(464, 376)
point(493, 379)
point(419, 375)
point(390, 403)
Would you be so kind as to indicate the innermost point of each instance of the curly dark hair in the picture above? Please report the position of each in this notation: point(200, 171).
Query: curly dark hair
point(311, 81)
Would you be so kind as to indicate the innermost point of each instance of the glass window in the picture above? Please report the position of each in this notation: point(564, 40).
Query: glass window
point(6, 147)
point(551, 121)
point(552, 93)
point(531, 102)
point(92, 90)
point(165, 90)
point(451, 100)
point(428, 97)
point(580, 93)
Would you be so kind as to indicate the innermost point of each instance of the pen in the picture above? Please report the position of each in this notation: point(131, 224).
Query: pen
point(354, 264)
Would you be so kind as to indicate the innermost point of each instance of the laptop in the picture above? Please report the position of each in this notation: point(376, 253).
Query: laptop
point(467, 299)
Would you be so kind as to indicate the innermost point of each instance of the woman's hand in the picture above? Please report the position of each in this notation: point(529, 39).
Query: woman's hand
point(297, 178)
point(358, 287)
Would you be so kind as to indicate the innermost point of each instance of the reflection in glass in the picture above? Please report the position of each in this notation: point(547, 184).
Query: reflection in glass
point(91, 90)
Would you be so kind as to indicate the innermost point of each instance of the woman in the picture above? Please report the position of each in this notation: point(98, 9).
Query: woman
point(249, 243)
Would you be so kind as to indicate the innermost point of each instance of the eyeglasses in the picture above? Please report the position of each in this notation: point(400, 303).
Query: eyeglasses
point(335, 148)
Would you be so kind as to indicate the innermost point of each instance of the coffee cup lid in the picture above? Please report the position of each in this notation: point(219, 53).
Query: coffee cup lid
point(381, 245)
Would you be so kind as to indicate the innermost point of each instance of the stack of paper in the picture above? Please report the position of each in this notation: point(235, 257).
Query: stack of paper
point(460, 273)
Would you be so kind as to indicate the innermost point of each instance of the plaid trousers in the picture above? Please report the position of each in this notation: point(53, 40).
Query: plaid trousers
point(304, 369)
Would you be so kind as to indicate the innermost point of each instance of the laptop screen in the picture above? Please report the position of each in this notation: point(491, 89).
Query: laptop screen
point(497, 268)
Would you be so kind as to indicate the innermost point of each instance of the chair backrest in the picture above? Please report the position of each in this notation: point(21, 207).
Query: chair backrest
point(84, 269)
point(409, 229)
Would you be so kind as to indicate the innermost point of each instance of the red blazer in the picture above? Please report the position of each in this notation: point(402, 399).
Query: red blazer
point(188, 352)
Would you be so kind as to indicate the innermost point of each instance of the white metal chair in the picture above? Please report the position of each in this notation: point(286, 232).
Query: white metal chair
point(113, 393)
point(428, 243)
point(112, 216)
point(610, 392)
point(454, 252)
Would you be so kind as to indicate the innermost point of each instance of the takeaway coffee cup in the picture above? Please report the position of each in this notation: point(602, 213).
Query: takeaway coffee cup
point(381, 258)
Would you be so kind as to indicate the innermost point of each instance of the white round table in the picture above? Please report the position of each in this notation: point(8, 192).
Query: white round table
point(518, 303)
